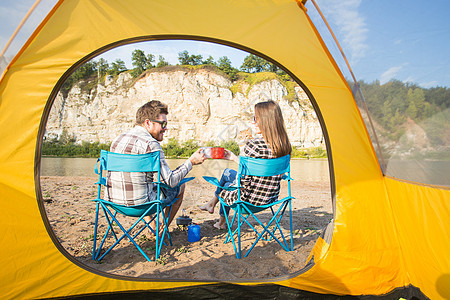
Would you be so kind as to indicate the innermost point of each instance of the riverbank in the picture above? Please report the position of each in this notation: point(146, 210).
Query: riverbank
point(173, 149)
point(71, 216)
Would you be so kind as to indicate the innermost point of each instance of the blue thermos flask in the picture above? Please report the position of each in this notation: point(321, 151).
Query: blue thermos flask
point(194, 234)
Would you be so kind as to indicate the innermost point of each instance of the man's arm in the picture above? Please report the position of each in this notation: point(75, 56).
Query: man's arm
point(172, 178)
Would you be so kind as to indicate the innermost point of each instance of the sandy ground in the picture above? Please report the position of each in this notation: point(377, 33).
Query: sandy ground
point(71, 215)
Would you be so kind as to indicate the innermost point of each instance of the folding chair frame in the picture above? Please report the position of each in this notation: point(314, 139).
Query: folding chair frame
point(243, 210)
point(111, 218)
point(149, 162)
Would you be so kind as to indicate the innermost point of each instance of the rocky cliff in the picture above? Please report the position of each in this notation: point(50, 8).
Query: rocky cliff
point(203, 105)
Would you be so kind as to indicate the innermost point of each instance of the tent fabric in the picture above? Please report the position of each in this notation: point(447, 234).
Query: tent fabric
point(233, 291)
point(386, 235)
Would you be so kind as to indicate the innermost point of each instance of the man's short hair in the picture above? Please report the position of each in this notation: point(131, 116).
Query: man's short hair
point(150, 110)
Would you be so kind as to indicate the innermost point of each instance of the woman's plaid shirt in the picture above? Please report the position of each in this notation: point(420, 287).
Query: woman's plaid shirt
point(256, 190)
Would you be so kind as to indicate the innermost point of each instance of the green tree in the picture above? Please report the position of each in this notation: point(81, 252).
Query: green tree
point(417, 96)
point(150, 60)
point(391, 103)
point(397, 120)
point(411, 111)
point(172, 148)
point(196, 60)
point(270, 67)
point(161, 62)
point(139, 61)
point(117, 67)
point(386, 113)
point(224, 64)
point(438, 96)
point(102, 67)
point(429, 110)
point(253, 64)
point(84, 72)
point(183, 58)
point(209, 61)
point(193, 60)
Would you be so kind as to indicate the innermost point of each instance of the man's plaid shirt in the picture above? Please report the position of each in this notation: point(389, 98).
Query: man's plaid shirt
point(133, 188)
point(256, 190)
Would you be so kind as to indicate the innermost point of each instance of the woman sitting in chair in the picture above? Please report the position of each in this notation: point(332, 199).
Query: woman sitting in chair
point(274, 143)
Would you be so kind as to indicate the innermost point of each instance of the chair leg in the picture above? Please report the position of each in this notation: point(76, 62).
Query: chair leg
point(147, 225)
point(166, 224)
point(259, 235)
point(110, 217)
point(239, 229)
point(277, 220)
point(110, 223)
point(94, 250)
point(230, 226)
point(125, 233)
point(245, 219)
point(158, 246)
point(160, 237)
point(290, 225)
point(276, 217)
point(97, 251)
point(230, 234)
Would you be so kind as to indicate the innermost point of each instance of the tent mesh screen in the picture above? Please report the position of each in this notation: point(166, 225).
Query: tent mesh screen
point(409, 125)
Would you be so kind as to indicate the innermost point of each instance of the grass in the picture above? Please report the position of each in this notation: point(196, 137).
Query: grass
point(251, 79)
point(162, 260)
point(151, 248)
point(314, 152)
point(143, 238)
point(255, 78)
point(90, 237)
point(182, 249)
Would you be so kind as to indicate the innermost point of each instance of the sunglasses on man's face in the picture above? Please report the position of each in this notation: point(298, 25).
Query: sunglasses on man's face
point(163, 123)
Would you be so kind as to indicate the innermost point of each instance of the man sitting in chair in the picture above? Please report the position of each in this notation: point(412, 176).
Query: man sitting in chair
point(126, 188)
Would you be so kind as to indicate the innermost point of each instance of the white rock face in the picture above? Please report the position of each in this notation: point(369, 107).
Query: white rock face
point(201, 107)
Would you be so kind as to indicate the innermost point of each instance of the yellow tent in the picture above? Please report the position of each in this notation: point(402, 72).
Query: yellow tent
point(388, 236)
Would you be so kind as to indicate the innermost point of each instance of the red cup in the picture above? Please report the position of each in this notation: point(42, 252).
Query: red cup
point(217, 153)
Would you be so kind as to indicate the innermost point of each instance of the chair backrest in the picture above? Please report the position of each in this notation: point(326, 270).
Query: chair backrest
point(118, 162)
point(264, 167)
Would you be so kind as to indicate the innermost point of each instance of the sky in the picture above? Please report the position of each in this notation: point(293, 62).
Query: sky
point(407, 40)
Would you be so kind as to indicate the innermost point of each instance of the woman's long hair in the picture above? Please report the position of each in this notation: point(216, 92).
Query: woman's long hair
point(270, 122)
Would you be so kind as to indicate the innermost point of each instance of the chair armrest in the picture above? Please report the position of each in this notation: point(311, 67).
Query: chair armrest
point(215, 181)
point(95, 167)
point(102, 181)
point(184, 180)
point(285, 177)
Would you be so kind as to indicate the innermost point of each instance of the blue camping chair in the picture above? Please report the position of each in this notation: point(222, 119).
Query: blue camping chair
point(243, 210)
point(117, 162)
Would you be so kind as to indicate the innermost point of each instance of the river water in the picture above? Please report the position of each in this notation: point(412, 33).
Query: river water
point(301, 169)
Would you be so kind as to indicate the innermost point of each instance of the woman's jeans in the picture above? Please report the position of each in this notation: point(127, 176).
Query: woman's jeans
point(228, 178)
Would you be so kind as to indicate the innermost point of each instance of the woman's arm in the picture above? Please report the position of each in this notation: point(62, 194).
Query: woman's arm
point(231, 156)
